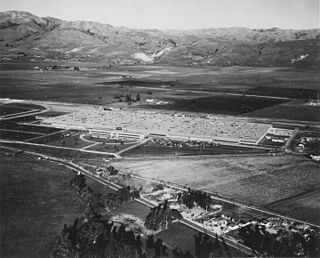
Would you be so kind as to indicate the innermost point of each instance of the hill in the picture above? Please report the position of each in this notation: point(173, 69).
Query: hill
point(24, 35)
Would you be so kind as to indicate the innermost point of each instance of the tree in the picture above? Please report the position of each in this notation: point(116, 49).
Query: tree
point(138, 97)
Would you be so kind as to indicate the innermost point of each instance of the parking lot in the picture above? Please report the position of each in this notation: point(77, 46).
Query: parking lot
point(170, 124)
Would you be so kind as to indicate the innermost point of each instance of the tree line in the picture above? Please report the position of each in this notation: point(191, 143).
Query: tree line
point(96, 201)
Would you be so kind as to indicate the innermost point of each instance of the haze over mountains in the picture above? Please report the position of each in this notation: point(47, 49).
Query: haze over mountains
point(49, 38)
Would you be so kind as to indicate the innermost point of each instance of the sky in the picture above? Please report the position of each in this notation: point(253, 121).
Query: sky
point(178, 14)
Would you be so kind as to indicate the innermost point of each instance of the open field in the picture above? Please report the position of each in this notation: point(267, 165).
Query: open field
point(16, 135)
point(8, 125)
point(253, 180)
point(71, 141)
point(26, 132)
point(300, 205)
point(36, 201)
point(98, 85)
point(285, 92)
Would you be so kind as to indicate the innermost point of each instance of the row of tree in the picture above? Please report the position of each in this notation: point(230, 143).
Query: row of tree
point(282, 244)
point(95, 201)
point(160, 216)
point(195, 197)
point(128, 97)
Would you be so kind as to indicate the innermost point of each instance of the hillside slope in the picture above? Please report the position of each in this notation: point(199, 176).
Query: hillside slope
point(42, 38)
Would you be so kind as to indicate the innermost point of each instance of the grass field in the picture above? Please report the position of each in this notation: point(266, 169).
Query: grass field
point(254, 180)
point(300, 205)
point(284, 92)
point(110, 147)
point(72, 141)
point(36, 201)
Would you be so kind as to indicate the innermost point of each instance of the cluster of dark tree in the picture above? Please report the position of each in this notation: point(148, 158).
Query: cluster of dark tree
point(79, 183)
point(112, 171)
point(282, 244)
point(160, 216)
point(98, 237)
point(128, 97)
point(207, 247)
point(97, 201)
point(159, 249)
point(95, 236)
point(195, 197)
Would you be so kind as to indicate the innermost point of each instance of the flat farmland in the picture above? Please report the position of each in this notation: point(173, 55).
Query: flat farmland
point(256, 180)
point(16, 135)
point(200, 86)
point(27, 128)
point(10, 110)
point(293, 110)
point(300, 205)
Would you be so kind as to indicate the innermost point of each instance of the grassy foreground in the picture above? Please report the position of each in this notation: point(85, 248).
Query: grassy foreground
point(36, 201)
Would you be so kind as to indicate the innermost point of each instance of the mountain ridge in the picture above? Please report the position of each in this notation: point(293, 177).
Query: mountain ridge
point(41, 38)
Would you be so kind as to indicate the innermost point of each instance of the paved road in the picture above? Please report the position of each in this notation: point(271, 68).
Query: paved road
point(19, 115)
